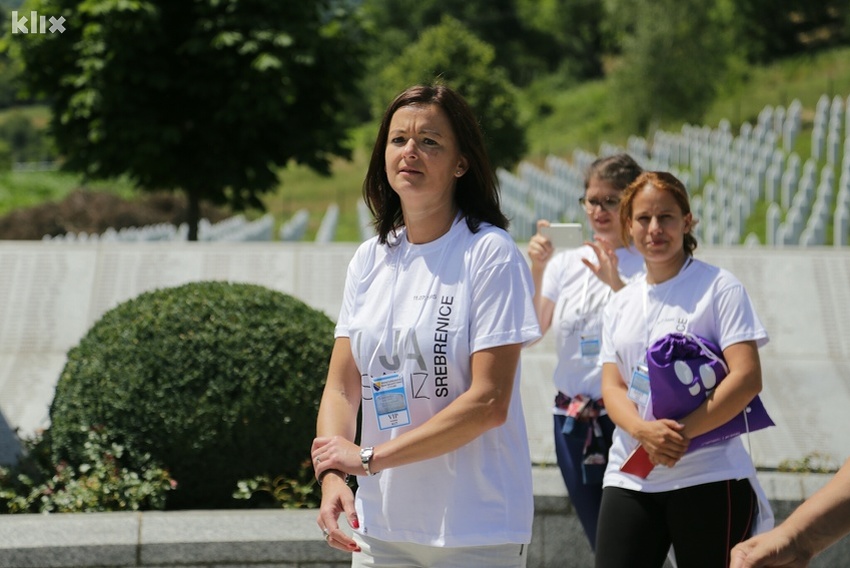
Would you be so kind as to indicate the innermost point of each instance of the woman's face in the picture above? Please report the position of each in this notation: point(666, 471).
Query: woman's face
point(657, 225)
point(601, 204)
point(422, 157)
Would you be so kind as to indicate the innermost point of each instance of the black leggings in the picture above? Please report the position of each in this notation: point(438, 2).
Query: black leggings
point(702, 523)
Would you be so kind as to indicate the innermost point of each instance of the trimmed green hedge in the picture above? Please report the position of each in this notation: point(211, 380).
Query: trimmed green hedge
point(217, 381)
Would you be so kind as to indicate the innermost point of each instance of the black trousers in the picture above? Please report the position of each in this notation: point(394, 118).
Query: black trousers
point(702, 523)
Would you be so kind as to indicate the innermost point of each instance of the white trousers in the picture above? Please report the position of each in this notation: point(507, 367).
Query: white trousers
point(384, 554)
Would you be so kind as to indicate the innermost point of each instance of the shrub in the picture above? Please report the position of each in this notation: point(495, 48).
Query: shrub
point(219, 382)
point(99, 483)
point(285, 492)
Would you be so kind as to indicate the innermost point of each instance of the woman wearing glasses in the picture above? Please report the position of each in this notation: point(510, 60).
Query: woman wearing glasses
point(570, 289)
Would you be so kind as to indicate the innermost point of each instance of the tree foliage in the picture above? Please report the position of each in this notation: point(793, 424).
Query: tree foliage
point(518, 48)
point(450, 53)
point(574, 29)
point(209, 96)
point(675, 54)
point(26, 143)
point(770, 29)
point(530, 38)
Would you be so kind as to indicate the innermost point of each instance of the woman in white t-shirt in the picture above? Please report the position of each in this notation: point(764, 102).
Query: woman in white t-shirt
point(436, 309)
point(705, 501)
point(571, 287)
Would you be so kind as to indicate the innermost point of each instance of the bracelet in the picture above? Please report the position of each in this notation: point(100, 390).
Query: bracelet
point(337, 471)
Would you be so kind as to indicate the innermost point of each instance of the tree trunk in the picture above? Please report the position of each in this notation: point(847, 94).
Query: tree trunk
point(193, 213)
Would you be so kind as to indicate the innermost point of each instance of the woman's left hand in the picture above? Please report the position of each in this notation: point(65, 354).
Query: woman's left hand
point(608, 268)
point(335, 452)
point(663, 441)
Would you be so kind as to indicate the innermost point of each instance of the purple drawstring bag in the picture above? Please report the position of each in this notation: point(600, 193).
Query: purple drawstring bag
point(683, 370)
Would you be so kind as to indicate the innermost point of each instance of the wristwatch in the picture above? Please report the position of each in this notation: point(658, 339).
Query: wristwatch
point(366, 459)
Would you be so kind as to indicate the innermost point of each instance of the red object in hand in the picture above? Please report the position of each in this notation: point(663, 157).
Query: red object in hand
point(638, 463)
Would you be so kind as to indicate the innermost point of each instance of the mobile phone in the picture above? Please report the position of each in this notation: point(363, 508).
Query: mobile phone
point(564, 235)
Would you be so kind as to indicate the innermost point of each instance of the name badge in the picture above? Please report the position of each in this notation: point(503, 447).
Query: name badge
point(390, 398)
point(639, 387)
point(589, 346)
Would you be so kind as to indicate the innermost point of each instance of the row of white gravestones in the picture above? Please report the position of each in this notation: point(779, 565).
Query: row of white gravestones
point(240, 230)
point(696, 148)
point(829, 120)
point(294, 228)
point(514, 201)
point(235, 228)
point(514, 196)
point(365, 221)
point(757, 164)
point(327, 228)
point(841, 216)
point(703, 149)
point(553, 197)
point(722, 209)
point(155, 232)
point(813, 206)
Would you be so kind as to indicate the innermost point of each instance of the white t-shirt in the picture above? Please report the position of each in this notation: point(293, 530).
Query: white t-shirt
point(579, 297)
point(704, 300)
point(442, 301)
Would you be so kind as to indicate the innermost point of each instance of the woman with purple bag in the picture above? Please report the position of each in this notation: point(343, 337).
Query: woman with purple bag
point(701, 501)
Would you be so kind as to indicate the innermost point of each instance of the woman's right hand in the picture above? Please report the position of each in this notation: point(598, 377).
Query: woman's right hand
point(663, 441)
point(774, 548)
point(540, 248)
point(337, 499)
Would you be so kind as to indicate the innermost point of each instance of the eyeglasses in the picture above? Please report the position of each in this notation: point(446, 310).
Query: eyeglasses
point(609, 204)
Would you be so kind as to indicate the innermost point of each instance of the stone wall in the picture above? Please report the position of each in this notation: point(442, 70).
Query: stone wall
point(291, 539)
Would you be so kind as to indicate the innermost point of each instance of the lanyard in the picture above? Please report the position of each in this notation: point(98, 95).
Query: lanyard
point(650, 324)
point(585, 309)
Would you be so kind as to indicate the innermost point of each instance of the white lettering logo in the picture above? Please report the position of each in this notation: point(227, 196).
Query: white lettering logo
point(37, 24)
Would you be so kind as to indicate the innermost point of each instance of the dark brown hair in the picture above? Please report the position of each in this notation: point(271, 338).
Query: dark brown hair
point(663, 181)
point(619, 170)
point(477, 191)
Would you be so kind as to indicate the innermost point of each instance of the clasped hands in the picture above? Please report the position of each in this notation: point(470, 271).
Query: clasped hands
point(664, 441)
